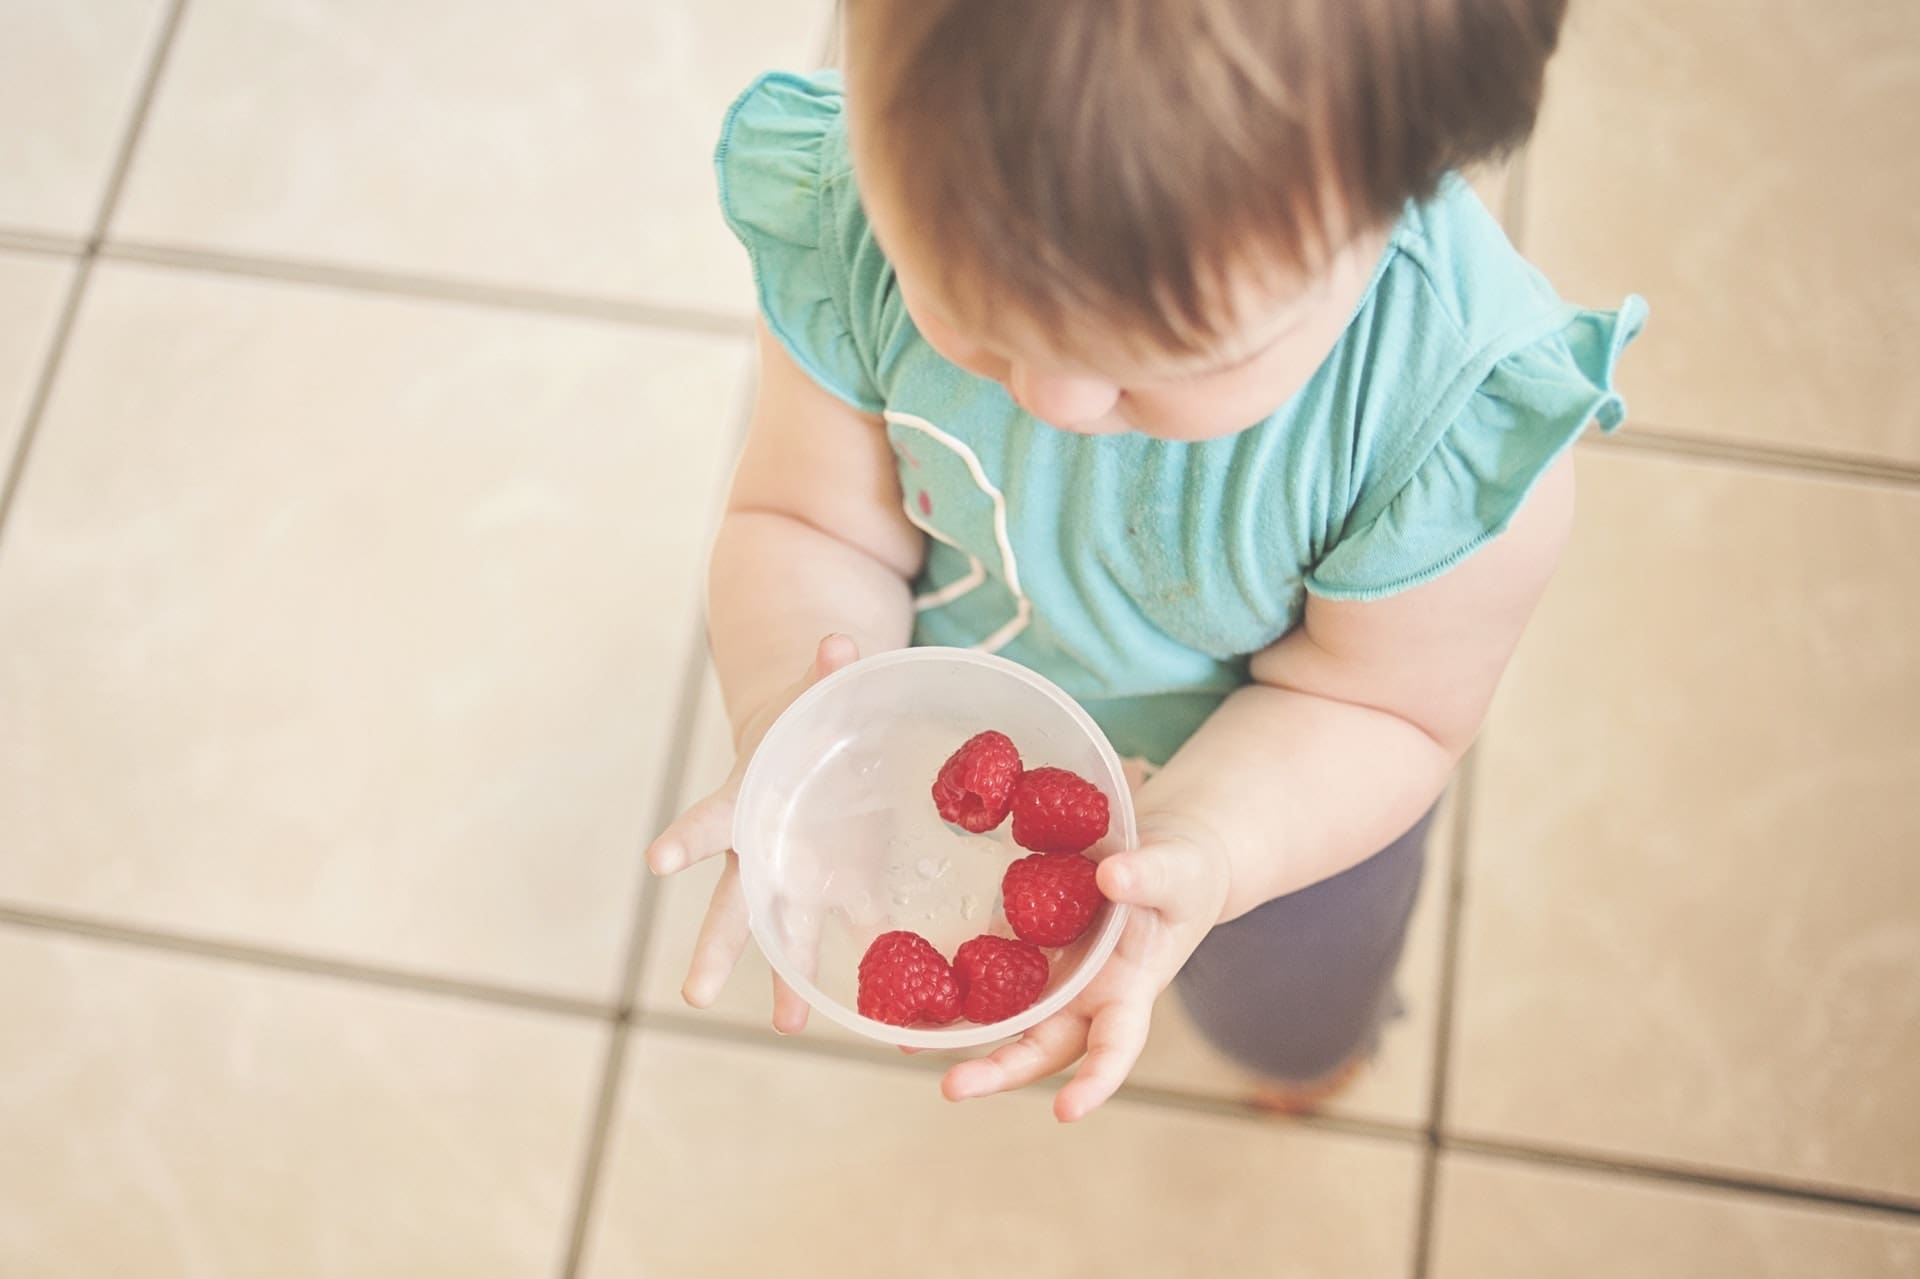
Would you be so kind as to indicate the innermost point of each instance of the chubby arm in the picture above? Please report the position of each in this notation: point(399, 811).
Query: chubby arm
point(1357, 717)
point(814, 540)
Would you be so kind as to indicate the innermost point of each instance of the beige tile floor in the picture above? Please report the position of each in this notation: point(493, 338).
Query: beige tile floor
point(348, 655)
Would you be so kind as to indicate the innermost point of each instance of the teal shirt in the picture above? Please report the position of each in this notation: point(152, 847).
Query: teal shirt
point(1141, 574)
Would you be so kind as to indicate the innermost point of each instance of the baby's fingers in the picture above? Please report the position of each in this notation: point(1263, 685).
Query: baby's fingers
point(1114, 1043)
point(1040, 1052)
point(707, 828)
point(723, 935)
point(789, 1010)
point(801, 929)
point(695, 835)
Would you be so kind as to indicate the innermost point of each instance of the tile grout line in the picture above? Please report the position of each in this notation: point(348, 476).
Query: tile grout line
point(136, 125)
point(672, 782)
point(1652, 438)
point(706, 1030)
point(673, 779)
point(432, 288)
point(102, 930)
point(16, 465)
point(1645, 437)
point(686, 725)
point(607, 1098)
point(1456, 887)
point(931, 1066)
point(20, 240)
point(713, 1030)
point(1901, 1207)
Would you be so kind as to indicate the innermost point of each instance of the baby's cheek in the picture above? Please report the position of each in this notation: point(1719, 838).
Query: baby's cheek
point(980, 364)
point(956, 350)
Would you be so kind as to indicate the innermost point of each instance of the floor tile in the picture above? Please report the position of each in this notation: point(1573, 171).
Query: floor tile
point(561, 146)
point(69, 74)
point(32, 289)
point(1692, 928)
point(733, 1160)
point(1776, 234)
point(354, 625)
point(166, 1116)
point(1501, 1220)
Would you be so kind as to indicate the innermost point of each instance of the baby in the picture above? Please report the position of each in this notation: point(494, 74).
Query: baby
point(1156, 345)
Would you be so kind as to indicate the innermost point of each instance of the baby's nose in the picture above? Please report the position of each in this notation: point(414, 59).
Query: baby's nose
point(1069, 403)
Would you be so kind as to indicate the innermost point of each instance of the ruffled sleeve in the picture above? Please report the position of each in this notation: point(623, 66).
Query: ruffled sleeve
point(1527, 410)
point(777, 163)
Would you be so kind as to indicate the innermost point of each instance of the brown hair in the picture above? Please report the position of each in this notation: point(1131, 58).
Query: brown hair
point(1123, 157)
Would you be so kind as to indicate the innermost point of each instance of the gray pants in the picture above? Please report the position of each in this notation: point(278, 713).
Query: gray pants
point(1294, 988)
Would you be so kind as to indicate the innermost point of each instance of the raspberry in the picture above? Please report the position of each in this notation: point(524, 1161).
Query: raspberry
point(1050, 898)
point(975, 787)
point(998, 977)
point(903, 979)
point(1055, 811)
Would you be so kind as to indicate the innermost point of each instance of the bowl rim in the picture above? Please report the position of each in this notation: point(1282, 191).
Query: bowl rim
point(960, 1034)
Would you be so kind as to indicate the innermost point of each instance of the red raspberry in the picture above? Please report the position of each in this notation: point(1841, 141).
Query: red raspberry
point(998, 977)
point(903, 979)
point(975, 787)
point(1055, 811)
point(1050, 898)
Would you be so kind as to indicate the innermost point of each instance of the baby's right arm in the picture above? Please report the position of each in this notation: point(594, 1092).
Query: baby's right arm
point(815, 542)
point(815, 539)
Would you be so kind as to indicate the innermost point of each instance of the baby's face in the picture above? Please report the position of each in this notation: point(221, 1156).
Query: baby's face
point(1279, 334)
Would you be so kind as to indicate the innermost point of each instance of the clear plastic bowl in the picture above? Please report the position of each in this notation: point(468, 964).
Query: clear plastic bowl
point(839, 841)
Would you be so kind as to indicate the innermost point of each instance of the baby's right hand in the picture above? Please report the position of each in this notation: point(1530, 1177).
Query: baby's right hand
point(707, 828)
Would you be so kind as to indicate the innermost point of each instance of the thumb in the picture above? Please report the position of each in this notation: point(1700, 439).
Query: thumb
point(834, 652)
point(1173, 878)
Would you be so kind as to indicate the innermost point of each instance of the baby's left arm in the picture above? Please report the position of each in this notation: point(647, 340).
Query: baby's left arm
point(1358, 717)
point(1348, 735)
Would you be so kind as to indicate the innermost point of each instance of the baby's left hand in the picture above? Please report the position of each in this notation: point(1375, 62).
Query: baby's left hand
point(1175, 886)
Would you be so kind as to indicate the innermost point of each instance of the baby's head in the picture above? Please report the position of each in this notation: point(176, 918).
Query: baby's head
point(1158, 215)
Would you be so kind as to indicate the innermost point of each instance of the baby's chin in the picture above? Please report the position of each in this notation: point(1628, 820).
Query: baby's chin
point(1126, 419)
point(1181, 429)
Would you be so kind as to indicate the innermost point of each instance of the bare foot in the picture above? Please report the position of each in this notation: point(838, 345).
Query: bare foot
point(1305, 1098)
